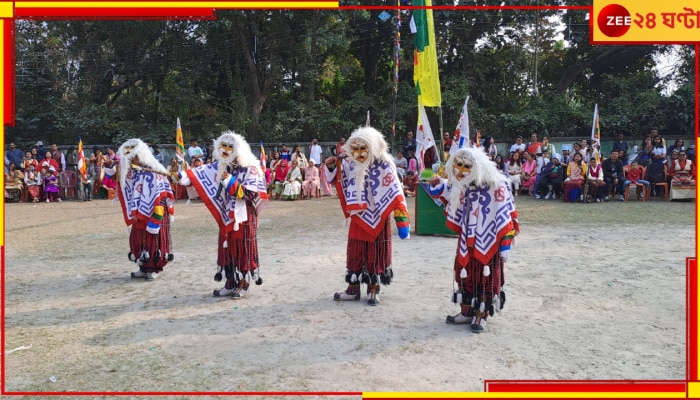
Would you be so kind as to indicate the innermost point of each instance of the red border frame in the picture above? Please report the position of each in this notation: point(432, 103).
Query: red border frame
point(502, 386)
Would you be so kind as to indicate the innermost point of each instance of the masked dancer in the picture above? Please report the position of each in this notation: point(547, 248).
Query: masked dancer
point(147, 204)
point(233, 189)
point(370, 192)
point(480, 209)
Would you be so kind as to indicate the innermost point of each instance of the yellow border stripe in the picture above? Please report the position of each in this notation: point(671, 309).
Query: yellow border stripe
point(176, 4)
point(526, 395)
point(2, 122)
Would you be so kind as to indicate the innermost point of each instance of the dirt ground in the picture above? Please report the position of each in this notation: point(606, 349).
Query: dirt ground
point(589, 297)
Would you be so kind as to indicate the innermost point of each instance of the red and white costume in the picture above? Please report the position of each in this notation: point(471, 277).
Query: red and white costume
point(480, 208)
point(147, 205)
point(233, 189)
point(370, 192)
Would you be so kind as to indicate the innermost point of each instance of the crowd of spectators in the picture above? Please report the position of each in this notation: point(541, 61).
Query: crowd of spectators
point(580, 172)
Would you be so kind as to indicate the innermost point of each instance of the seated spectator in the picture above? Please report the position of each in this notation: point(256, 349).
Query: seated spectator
point(575, 177)
point(656, 173)
point(27, 160)
point(280, 176)
point(299, 157)
point(48, 162)
point(326, 189)
point(33, 181)
point(312, 181)
point(634, 176)
point(596, 183)
point(542, 160)
point(551, 179)
point(682, 173)
point(529, 175)
point(51, 191)
point(410, 183)
point(500, 164)
point(401, 165)
point(14, 184)
point(645, 156)
point(109, 181)
point(514, 171)
point(691, 153)
point(292, 184)
point(613, 174)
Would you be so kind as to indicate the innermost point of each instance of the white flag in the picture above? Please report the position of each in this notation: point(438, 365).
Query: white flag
point(461, 139)
point(367, 124)
point(424, 137)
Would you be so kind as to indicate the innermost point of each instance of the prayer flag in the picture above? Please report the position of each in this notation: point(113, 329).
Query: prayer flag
point(263, 157)
point(367, 123)
point(424, 137)
point(461, 139)
point(82, 167)
point(179, 142)
point(595, 133)
point(425, 62)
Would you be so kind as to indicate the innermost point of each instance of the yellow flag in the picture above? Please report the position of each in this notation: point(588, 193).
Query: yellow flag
point(425, 62)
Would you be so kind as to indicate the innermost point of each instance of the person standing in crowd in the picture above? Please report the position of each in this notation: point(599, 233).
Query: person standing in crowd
point(368, 203)
point(57, 155)
point(157, 154)
point(622, 148)
point(194, 151)
point(14, 155)
point(40, 151)
point(235, 203)
point(72, 159)
point(534, 146)
point(409, 145)
point(518, 146)
point(339, 147)
point(87, 181)
point(479, 208)
point(316, 152)
point(446, 146)
point(147, 205)
point(285, 154)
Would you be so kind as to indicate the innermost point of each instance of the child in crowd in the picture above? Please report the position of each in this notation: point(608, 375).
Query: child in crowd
point(634, 176)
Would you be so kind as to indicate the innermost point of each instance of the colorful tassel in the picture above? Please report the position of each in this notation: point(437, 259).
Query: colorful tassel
point(463, 273)
point(487, 270)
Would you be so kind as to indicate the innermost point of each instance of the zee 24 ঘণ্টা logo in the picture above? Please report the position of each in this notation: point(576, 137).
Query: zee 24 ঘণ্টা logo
point(645, 21)
point(614, 20)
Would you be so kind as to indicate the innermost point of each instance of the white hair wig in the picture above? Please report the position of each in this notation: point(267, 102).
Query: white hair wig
point(137, 148)
point(242, 154)
point(377, 146)
point(483, 173)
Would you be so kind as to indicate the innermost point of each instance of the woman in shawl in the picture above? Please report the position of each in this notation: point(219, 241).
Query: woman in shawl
point(292, 184)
